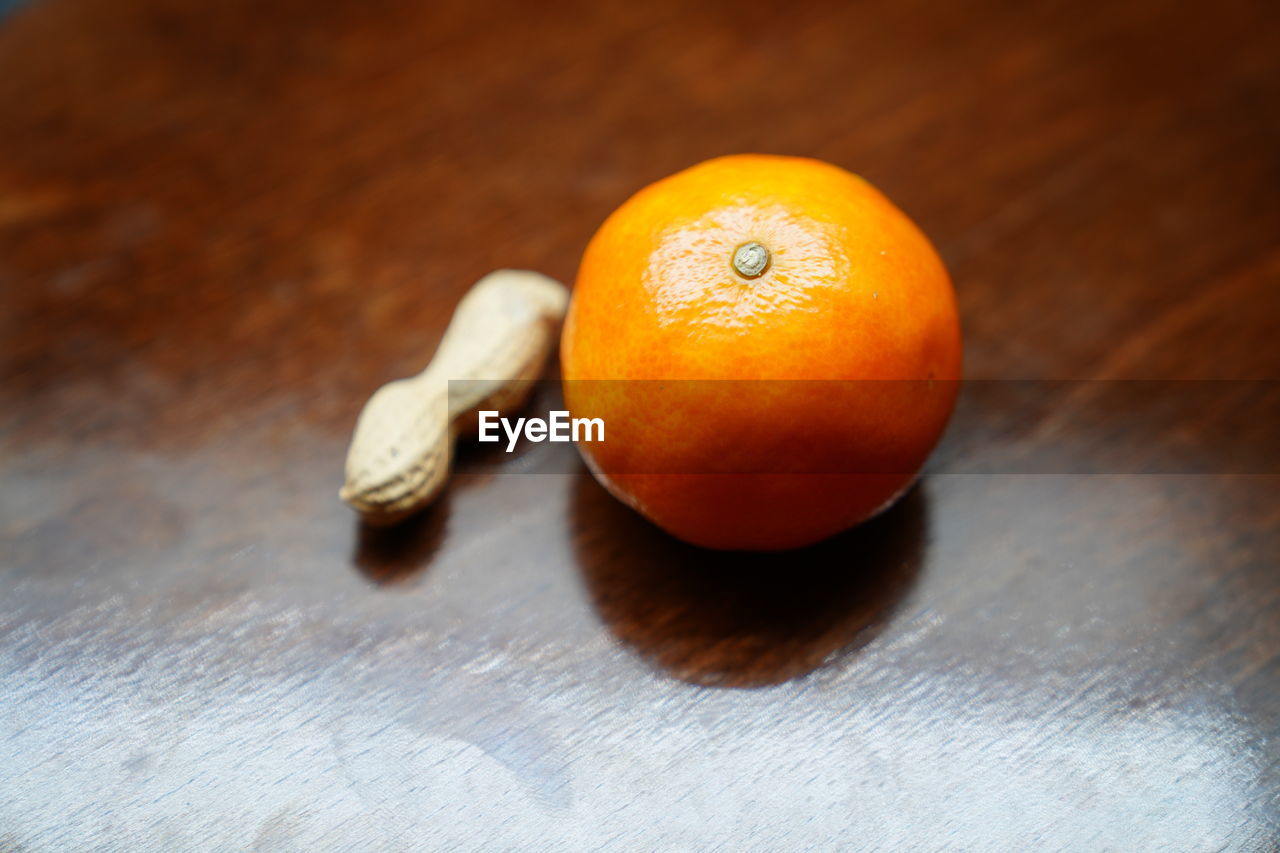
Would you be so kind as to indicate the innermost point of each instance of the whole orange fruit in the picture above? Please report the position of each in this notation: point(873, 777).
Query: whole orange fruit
point(773, 346)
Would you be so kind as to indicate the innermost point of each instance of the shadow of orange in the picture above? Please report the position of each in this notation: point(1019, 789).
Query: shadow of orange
point(743, 619)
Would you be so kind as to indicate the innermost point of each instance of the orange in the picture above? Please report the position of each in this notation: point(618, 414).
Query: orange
point(773, 346)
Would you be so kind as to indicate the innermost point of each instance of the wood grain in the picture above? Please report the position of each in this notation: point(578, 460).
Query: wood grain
point(222, 225)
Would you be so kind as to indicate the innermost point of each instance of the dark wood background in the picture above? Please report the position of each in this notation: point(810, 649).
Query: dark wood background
point(223, 224)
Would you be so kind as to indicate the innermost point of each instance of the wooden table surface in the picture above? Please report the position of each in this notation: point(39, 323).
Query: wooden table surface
point(223, 224)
